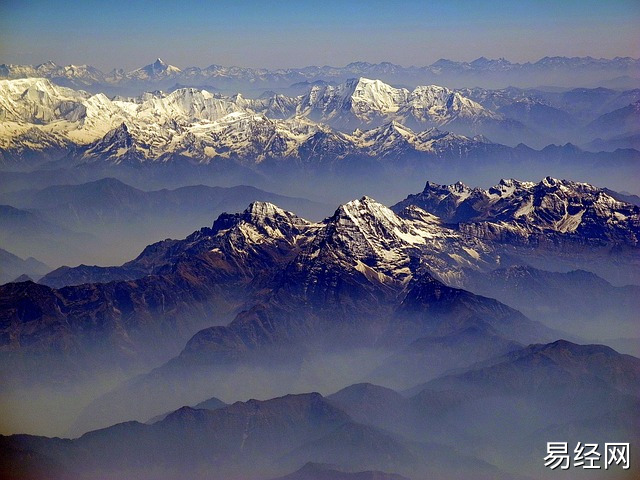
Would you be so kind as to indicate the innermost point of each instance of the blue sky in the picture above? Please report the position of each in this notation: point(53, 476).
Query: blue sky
point(275, 34)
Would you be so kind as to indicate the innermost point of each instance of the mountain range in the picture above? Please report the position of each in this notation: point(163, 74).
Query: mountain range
point(164, 313)
point(366, 427)
point(533, 212)
point(291, 306)
point(96, 217)
point(481, 70)
point(201, 126)
point(52, 135)
point(228, 266)
point(361, 117)
point(265, 283)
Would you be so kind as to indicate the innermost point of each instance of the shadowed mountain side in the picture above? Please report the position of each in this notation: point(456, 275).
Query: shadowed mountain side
point(509, 406)
point(431, 356)
point(375, 405)
point(290, 332)
point(197, 282)
point(26, 233)
point(536, 388)
point(578, 363)
point(432, 308)
point(623, 120)
point(60, 336)
point(212, 403)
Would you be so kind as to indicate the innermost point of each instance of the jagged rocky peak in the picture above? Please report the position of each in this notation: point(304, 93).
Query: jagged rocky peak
point(268, 212)
point(115, 142)
point(371, 230)
point(525, 210)
point(263, 219)
point(459, 187)
point(551, 182)
point(556, 183)
point(508, 186)
point(454, 187)
point(366, 210)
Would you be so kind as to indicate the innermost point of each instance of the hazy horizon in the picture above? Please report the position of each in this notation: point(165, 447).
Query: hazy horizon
point(284, 35)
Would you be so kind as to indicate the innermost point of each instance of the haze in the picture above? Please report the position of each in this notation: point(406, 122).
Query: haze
point(295, 34)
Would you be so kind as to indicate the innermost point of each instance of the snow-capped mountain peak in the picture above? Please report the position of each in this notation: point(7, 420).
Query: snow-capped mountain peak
point(520, 211)
point(260, 223)
point(375, 95)
point(154, 71)
point(200, 125)
point(440, 105)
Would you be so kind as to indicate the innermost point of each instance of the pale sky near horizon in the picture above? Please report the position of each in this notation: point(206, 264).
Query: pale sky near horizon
point(272, 34)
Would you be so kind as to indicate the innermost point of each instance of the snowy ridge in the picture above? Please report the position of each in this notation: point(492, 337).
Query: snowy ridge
point(370, 102)
point(367, 237)
point(362, 237)
point(527, 211)
point(200, 125)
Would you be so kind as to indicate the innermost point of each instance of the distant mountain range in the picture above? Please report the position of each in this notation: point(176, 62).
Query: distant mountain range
point(13, 267)
point(163, 75)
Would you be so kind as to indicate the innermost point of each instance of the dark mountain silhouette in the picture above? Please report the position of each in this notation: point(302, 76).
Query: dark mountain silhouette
point(254, 439)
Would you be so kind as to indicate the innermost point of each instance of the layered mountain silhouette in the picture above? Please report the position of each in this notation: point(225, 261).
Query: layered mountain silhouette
point(565, 300)
point(364, 430)
point(160, 74)
point(282, 303)
point(13, 267)
point(106, 209)
point(252, 439)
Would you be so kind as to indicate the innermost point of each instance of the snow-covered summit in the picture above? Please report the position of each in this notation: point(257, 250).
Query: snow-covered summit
point(523, 211)
point(199, 125)
point(368, 237)
point(154, 71)
point(373, 102)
